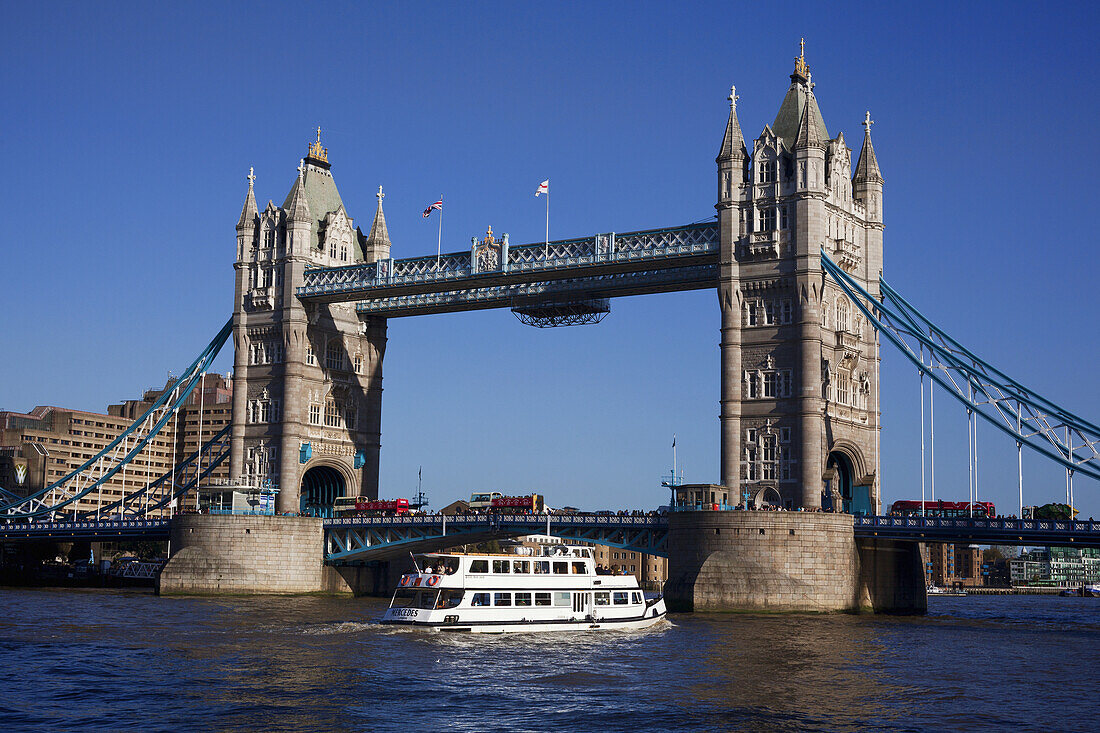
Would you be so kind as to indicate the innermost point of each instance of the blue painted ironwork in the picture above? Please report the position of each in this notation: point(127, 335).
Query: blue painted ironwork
point(122, 450)
point(380, 538)
point(146, 529)
point(1022, 413)
point(637, 255)
point(981, 531)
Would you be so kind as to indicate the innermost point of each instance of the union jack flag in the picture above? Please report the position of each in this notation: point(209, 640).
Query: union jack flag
point(437, 205)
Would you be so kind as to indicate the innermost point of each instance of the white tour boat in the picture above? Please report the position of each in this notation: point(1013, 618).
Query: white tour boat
point(558, 590)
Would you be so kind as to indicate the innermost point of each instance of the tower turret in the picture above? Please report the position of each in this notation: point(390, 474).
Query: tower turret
point(867, 182)
point(377, 244)
point(299, 218)
point(246, 225)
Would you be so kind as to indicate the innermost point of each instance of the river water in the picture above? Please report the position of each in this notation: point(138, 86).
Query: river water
point(116, 660)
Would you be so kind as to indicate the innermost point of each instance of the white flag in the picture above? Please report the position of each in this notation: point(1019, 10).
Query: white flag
point(544, 187)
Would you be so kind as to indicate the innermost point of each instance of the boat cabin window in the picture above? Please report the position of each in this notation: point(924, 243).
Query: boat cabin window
point(480, 599)
point(542, 599)
point(449, 598)
point(479, 566)
point(521, 566)
point(502, 599)
point(579, 568)
point(603, 598)
point(636, 598)
point(561, 598)
point(410, 598)
point(620, 597)
point(523, 599)
point(501, 566)
point(541, 567)
point(561, 568)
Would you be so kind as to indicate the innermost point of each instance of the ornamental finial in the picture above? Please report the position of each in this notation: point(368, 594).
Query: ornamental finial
point(733, 97)
point(301, 167)
point(380, 195)
point(316, 151)
point(867, 122)
point(251, 176)
point(800, 68)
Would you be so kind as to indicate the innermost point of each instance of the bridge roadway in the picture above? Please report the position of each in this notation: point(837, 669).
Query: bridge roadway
point(362, 539)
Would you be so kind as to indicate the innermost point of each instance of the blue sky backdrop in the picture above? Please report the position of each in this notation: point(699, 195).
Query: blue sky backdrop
point(129, 129)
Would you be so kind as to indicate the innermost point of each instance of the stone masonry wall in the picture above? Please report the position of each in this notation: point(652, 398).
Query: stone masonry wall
point(762, 561)
point(229, 554)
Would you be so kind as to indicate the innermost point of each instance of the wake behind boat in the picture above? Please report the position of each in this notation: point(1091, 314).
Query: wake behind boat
point(558, 590)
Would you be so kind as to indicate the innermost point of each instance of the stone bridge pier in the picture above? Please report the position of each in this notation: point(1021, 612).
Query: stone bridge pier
point(787, 561)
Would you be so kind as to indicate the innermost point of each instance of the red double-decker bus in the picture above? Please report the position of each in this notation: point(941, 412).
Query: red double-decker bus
point(531, 504)
point(912, 508)
point(361, 506)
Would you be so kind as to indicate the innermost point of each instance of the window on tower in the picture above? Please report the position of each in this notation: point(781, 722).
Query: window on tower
point(766, 219)
point(334, 355)
point(269, 238)
point(767, 170)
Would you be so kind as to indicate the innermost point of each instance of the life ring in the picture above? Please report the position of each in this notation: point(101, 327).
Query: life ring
point(433, 580)
point(405, 580)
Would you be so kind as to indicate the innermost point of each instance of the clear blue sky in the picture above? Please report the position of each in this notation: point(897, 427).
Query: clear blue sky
point(129, 129)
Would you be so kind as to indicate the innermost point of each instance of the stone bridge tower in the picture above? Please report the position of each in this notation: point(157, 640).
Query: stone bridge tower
point(307, 380)
point(800, 365)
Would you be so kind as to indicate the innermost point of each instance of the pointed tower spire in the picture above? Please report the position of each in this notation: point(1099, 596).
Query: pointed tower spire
point(733, 142)
point(808, 133)
point(249, 212)
point(297, 208)
point(867, 167)
point(377, 245)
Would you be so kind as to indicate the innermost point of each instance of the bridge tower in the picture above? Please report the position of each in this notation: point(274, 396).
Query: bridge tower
point(799, 365)
point(307, 379)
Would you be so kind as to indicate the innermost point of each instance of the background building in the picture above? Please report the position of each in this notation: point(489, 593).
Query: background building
point(947, 565)
point(48, 442)
point(1063, 567)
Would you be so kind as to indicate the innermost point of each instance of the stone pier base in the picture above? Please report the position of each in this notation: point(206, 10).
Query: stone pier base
point(244, 555)
point(786, 561)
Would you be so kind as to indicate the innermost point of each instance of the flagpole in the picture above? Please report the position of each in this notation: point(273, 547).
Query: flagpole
point(547, 250)
point(439, 241)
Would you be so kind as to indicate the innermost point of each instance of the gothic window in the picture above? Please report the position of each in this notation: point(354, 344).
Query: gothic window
point(766, 219)
point(334, 356)
point(334, 417)
point(358, 364)
point(264, 410)
point(750, 435)
point(783, 383)
point(314, 414)
point(771, 313)
point(332, 248)
point(769, 384)
point(269, 238)
point(785, 311)
point(748, 466)
point(266, 278)
point(843, 388)
point(767, 171)
point(784, 464)
point(784, 435)
point(752, 317)
point(351, 417)
point(841, 314)
point(251, 278)
point(310, 358)
point(752, 380)
point(784, 222)
point(770, 456)
point(343, 251)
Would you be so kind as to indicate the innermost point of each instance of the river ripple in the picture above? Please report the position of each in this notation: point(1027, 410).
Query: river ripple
point(83, 661)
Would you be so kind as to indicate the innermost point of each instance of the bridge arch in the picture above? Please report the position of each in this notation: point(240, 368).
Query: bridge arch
point(767, 496)
point(848, 482)
point(322, 482)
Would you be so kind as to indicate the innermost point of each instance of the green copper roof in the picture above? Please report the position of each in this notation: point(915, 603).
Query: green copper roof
point(323, 198)
point(790, 114)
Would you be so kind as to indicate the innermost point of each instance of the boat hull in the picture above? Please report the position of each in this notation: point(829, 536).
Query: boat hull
point(654, 614)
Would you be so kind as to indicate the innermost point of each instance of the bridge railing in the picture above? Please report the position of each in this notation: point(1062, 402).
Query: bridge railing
point(1024, 525)
point(475, 519)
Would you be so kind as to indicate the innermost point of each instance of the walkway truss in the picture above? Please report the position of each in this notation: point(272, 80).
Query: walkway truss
point(59, 498)
point(1021, 413)
point(352, 540)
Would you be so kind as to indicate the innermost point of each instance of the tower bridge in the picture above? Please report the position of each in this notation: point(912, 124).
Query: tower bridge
point(795, 257)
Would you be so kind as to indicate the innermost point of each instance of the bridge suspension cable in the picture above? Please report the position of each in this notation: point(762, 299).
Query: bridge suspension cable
point(1016, 410)
point(118, 454)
